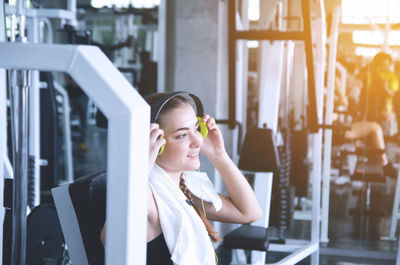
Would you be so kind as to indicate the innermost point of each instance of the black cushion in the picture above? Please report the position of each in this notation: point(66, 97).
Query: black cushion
point(247, 237)
point(88, 195)
point(259, 152)
point(370, 170)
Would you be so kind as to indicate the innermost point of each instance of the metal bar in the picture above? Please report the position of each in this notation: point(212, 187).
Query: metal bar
point(326, 166)
point(34, 121)
point(21, 83)
point(232, 62)
point(301, 253)
point(162, 48)
point(268, 35)
point(312, 117)
point(320, 48)
point(43, 13)
point(359, 254)
point(69, 174)
point(5, 165)
point(398, 253)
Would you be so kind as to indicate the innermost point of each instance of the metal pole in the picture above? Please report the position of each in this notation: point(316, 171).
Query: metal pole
point(326, 165)
point(232, 62)
point(20, 84)
point(34, 123)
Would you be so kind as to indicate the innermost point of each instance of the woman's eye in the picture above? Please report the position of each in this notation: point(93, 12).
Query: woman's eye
point(181, 136)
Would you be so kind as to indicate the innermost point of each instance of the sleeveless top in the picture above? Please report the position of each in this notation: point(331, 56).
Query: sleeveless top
point(157, 252)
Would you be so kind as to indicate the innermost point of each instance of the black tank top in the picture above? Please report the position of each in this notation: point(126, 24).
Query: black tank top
point(157, 252)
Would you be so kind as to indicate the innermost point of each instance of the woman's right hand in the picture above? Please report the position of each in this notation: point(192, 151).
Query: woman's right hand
point(156, 142)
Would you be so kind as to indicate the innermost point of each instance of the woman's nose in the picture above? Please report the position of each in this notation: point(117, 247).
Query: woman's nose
point(197, 140)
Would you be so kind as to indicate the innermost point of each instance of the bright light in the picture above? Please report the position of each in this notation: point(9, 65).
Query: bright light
point(368, 37)
point(254, 10)
point(99, 3)
point(252, 44)
point(125, 3)
point(394, 38)
point(370, 11)
point(375, 37)
point(367, 52)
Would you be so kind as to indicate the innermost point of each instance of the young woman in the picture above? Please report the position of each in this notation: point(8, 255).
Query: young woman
point(180, 198)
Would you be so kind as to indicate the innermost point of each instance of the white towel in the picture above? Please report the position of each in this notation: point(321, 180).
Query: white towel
point(200, 185)
point(184, 232)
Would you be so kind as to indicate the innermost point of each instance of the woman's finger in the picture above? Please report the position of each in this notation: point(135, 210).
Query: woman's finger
point(205, 118)
point(156, 134)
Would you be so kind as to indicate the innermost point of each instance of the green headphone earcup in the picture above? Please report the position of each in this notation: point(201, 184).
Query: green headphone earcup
point(161, 150)
point(203, 127)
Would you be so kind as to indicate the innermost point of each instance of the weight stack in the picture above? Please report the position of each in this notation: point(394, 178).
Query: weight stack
point(282, 204)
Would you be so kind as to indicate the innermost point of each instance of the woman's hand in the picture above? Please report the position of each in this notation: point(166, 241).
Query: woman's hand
point(156, 142)
point(213, 145)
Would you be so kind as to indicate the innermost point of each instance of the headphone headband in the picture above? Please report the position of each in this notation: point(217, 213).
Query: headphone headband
point(157, 107)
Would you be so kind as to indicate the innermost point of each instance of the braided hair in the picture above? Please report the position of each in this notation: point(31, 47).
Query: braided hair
point(209, 227)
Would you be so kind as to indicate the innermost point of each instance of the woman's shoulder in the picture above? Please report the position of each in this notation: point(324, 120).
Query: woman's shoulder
point(152, 214)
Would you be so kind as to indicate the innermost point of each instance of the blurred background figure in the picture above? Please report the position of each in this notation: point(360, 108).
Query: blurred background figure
point(382, 84)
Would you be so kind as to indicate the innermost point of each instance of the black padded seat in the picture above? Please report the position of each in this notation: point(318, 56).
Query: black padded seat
point(247, 237)
point(88, 195)
point(370, 171)
point(81, 207)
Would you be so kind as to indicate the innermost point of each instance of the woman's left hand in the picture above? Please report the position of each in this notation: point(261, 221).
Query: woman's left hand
point(214, 143)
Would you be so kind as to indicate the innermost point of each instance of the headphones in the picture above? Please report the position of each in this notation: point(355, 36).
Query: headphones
point(157, 107)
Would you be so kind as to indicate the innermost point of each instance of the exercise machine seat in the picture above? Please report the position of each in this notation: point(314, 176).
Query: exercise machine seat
point(369, 171)
point(259, 154)
point(81, 209)
point(247, 237)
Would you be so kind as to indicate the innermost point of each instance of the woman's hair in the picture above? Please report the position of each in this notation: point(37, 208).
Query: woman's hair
point(210, 229)
point(174, 103)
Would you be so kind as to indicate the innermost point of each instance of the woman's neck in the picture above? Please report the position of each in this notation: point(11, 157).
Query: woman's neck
point(174, 175)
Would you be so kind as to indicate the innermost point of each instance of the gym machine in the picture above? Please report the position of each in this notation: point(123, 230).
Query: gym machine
point(270, 98)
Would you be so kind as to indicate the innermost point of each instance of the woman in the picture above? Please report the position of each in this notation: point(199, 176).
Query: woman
point(178, 229)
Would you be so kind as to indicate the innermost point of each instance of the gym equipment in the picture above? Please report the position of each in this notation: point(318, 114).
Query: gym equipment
point(45, 241)
point(259, 151)
point(49, 146)
point(259, 154)
point(369, 172)
point(125, 110)
point(81, 207)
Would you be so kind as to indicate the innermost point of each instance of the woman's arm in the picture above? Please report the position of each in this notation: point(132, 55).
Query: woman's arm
point(241, 206)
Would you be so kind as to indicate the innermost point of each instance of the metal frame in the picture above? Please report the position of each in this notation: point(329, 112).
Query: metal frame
point(395, 212)
point(5, 167)
point(326, 165)
point(305, 35)
point(123, 106)
point(69, 168)
point(162, 49)
point(34, 16)
point(315, 84)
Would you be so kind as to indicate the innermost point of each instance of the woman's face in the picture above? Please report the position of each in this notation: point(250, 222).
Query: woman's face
point(183, 138)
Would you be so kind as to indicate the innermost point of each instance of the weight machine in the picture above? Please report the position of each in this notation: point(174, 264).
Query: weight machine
point(272, 55)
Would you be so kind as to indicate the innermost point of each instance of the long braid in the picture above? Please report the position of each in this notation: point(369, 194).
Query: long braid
point(209, 227)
